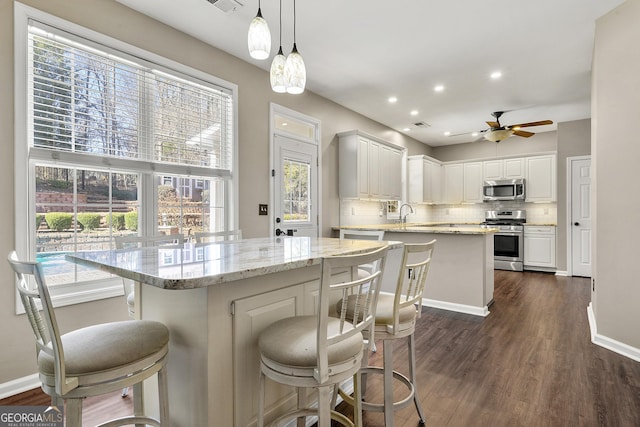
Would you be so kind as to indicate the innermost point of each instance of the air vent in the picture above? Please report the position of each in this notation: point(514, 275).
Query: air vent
point(422, 124)
point(227, 6)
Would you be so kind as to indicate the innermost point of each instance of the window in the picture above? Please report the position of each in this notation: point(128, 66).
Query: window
point(113, 145)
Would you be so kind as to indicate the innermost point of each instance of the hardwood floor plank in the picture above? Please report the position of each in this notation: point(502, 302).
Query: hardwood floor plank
point(529, 363)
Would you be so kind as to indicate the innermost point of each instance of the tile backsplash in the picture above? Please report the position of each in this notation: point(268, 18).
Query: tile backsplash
point(362, 212)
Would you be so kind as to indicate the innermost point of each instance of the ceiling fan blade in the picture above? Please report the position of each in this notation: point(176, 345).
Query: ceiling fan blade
point(493, 124)
point(523, 133)
point(526, 125)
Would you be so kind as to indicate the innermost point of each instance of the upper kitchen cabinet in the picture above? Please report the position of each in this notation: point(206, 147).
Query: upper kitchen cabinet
point(453, 185)
point(425, 180)
point(541, 178)
point(472, 182)
point(503, 169)
point(369, 168)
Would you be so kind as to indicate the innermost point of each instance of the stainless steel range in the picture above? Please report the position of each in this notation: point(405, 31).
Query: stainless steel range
point(508, 248)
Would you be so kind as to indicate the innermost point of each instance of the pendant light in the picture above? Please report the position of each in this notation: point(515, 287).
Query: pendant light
point(278, 83)
point(295, 73)
point(259, 37)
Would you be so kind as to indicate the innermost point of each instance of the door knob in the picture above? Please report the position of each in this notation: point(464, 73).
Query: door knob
point(576, 223)
point(279, 232)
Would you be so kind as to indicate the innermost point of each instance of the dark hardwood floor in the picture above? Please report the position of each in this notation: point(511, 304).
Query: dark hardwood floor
point(529, 363)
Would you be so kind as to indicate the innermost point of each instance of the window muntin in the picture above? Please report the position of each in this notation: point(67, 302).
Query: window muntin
point(87, 105)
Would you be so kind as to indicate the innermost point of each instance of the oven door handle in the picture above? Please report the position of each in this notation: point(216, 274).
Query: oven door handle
point(509, 233)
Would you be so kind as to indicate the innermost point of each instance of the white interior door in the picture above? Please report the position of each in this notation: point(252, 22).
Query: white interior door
point(580, 228)
point(295, 187)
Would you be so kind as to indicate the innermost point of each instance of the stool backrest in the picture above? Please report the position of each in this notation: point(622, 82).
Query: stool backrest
point(43, 324)
point(135, 241)
point(364, 291)
point(416, 260)
point(214, 236)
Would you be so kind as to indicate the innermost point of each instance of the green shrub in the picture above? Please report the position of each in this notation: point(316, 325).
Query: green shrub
point(58, 221)
point(131, 220)
point(88, 220)
point(39, 220)
point(116, 221)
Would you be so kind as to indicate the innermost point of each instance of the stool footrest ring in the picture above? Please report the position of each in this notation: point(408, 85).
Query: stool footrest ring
point(379, 407)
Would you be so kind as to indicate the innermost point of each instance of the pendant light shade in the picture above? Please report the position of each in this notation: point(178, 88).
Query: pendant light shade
point(259, 37)
point(295, 73)
point(278, 81)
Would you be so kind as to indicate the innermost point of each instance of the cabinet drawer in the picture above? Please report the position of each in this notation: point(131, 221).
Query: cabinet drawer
point(543, 229)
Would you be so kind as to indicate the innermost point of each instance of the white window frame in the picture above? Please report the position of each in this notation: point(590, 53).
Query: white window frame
point(25, 170)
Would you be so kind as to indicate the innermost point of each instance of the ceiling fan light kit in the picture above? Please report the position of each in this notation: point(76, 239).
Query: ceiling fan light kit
point(498, 132)
point(286, 74)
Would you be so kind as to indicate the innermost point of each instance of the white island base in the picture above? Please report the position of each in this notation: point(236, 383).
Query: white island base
point(461, 274)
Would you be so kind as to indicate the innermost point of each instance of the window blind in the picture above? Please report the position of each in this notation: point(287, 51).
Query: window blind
point(96, 103)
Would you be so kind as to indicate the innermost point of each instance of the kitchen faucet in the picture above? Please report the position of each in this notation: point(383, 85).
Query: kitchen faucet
point(403, 219)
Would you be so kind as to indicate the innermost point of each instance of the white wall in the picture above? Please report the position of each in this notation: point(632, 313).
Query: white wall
point(615, 153)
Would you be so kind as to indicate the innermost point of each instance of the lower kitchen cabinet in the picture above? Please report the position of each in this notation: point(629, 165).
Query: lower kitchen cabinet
point(540, 248)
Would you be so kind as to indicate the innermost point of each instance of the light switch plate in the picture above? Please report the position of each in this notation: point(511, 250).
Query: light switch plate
point(263, 209)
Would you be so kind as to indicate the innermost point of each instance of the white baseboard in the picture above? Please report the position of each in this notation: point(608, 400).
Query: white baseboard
point(459, 308)
point(19, 385)
point(608, 343)
point(562, 273)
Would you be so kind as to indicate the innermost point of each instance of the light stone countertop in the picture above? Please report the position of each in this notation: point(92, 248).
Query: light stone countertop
point(425, 227)
point(199, 265)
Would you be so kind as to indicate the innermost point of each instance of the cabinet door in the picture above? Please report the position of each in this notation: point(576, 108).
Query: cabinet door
point(540, 250)
point(513, 168)
point(541, 179)
point(473, 182)
point(453, 183)
point(416, 173)
point(374, 169)
point(435, 175)
point(492, 170)
point(390, 173)
point(363, 167)
point(251, 316)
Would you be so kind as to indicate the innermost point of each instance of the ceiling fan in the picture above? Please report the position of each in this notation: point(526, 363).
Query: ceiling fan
point(498, 132)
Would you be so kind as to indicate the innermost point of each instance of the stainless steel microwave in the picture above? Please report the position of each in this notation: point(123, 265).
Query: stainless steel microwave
point(504, 189)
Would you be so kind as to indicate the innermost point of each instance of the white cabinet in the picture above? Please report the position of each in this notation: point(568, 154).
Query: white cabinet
point(369, 168)
point(503, 169)
point(539, 247)
point(453, 183)
point(425, 180)
point(472, 184)
point(541, 178)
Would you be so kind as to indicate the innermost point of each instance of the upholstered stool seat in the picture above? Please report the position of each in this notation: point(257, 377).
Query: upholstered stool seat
point(113, 346)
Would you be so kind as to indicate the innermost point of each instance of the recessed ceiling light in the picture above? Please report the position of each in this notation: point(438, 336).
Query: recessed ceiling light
point(285, 124)
point(414, 112)
point(393, 99)
point(447, 133)
point(496, 75)
point(406, 129)
point(439, 88)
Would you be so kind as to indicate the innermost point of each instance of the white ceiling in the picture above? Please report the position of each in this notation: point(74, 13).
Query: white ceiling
point(358, 53)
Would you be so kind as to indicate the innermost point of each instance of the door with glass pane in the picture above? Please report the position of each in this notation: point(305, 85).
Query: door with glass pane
point(295, 187)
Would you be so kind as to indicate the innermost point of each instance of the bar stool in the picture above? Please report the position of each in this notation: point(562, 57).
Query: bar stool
point(319, 351)
point(215, 236)
point(396, 317)
point(95, 360)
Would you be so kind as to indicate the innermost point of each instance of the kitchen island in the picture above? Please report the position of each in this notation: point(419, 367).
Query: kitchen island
point(461, 273)
point(216, 298)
